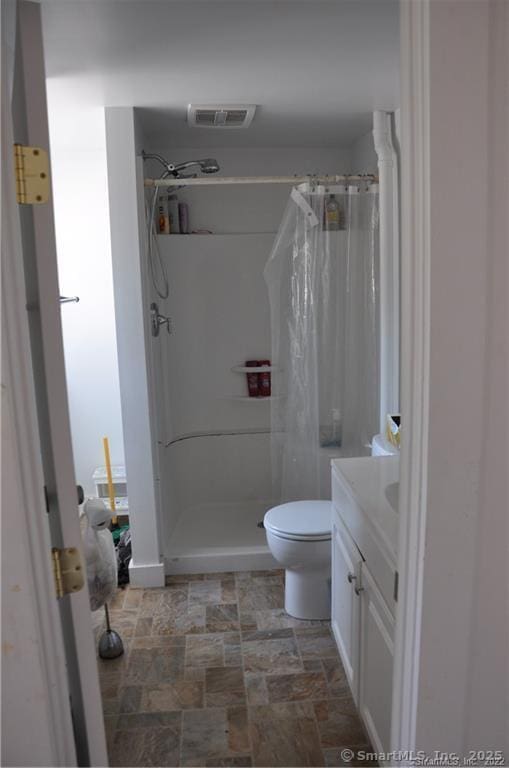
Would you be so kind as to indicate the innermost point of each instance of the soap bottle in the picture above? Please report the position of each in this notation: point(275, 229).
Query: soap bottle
point(173, 213)
point(184, 218)
point(163, 218)
point(264, 383)
point(332, 214)
point(252, 378)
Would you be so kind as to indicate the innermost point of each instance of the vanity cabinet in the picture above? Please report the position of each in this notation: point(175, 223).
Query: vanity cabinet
point(345, 613)
point(362, 618)
point(375, 663)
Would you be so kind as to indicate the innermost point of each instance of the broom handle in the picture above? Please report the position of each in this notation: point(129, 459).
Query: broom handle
point(111, 493)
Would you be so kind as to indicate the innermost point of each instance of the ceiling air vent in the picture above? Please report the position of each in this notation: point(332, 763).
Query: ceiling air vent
point(220, 115)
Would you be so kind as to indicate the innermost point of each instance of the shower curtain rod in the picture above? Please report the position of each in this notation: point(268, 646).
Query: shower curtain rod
point(206, 181)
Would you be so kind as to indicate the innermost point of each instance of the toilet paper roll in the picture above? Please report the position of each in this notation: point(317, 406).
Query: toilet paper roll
point(97, 513)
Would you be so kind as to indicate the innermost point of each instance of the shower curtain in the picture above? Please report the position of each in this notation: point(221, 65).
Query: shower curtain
point(323, 294)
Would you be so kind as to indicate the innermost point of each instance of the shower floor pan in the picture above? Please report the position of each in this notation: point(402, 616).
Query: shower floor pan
point(211, 538)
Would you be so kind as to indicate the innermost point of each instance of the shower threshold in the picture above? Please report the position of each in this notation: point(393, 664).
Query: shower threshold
point(216, 537)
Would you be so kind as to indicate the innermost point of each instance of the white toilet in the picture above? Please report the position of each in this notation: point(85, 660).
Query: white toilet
point(299, 537)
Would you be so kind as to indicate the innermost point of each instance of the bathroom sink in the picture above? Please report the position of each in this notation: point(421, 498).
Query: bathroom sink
point(392, 495)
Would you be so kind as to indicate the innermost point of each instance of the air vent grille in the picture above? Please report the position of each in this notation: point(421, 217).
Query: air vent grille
point(220, 116)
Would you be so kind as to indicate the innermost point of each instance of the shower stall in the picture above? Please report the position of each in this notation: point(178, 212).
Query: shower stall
point(257, 287)
point(308, 301)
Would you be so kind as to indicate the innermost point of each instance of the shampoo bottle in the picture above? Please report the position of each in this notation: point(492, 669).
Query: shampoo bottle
point(173, 213)
point(184, 218)
point(163, 219)
point(332, 214)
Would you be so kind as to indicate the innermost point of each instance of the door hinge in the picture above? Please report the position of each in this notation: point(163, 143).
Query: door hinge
point(31, 167)
point(396, 586)
point(67, 570)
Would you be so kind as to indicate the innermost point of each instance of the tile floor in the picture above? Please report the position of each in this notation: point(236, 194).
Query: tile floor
point(215, 673)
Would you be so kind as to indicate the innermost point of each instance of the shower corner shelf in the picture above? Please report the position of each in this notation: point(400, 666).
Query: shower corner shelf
point(255, 369)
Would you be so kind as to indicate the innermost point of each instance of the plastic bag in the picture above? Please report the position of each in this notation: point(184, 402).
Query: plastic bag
point(124, 557)
point(100, 557)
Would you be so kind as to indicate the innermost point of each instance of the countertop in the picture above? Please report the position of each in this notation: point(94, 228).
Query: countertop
point(365, 481)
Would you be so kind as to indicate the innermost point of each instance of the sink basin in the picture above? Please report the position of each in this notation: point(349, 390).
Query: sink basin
point(392, 495)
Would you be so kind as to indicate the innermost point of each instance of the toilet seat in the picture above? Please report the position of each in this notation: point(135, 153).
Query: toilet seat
point(300, 520)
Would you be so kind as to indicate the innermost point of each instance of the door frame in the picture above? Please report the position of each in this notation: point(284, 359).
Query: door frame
point(453, 490)
point(416, 262)
point(415, 367)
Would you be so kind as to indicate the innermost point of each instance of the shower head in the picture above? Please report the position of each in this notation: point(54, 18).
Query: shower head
point(205, 165)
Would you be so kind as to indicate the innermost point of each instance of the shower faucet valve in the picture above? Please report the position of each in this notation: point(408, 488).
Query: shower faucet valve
point(157, 320)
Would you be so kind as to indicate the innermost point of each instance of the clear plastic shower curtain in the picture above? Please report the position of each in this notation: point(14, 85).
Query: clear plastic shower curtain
point(323, 293)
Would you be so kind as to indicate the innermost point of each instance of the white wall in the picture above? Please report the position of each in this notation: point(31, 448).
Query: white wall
point(80, 193)
point(127, 223)
point(464, 633)
point(364, 159)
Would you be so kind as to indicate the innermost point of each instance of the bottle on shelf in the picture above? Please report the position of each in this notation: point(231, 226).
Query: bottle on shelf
point(252, 379)
point(163, 217)
point(173, 213)
point(183, 218)
point(333, 215)
point(264, 380)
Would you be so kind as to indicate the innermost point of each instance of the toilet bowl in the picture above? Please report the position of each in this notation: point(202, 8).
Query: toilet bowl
point(299, 537)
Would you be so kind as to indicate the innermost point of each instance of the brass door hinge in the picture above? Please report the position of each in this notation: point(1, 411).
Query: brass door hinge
point(67, 570)
point(31, 168)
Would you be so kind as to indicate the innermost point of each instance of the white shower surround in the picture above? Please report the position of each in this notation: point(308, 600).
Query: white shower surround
point(219, 511)
point(156, 528)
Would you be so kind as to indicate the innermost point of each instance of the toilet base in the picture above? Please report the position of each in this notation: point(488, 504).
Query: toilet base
point(308, 594)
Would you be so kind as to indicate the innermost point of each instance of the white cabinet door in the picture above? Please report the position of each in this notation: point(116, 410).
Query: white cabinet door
point(376, 663)
point(346, 564)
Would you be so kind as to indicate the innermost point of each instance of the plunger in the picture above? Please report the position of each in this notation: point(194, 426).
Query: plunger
point(110, 643)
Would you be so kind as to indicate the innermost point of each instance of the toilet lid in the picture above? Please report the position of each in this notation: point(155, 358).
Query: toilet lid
point(300, 520)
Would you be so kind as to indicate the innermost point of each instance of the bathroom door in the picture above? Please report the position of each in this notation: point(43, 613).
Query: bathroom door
point(35, 302)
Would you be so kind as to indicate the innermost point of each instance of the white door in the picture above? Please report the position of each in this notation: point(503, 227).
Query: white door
point(53, 459)
point(345, 617)
point(376, 663)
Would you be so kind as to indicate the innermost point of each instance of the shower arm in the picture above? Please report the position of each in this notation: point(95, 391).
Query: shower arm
point(206, 165)
point(154, 156)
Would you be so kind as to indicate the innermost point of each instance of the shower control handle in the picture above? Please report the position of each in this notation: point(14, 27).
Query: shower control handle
point(157, 320)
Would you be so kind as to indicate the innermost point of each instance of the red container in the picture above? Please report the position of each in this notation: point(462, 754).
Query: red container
point(252, 379)
point(264, 384)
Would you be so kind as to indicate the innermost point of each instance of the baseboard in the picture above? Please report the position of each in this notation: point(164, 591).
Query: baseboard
point(146, 576)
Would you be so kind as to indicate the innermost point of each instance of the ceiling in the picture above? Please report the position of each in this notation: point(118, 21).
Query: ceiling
point(316, 69)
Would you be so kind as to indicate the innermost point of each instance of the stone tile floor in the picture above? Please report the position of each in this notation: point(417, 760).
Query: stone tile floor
point(215, 673)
